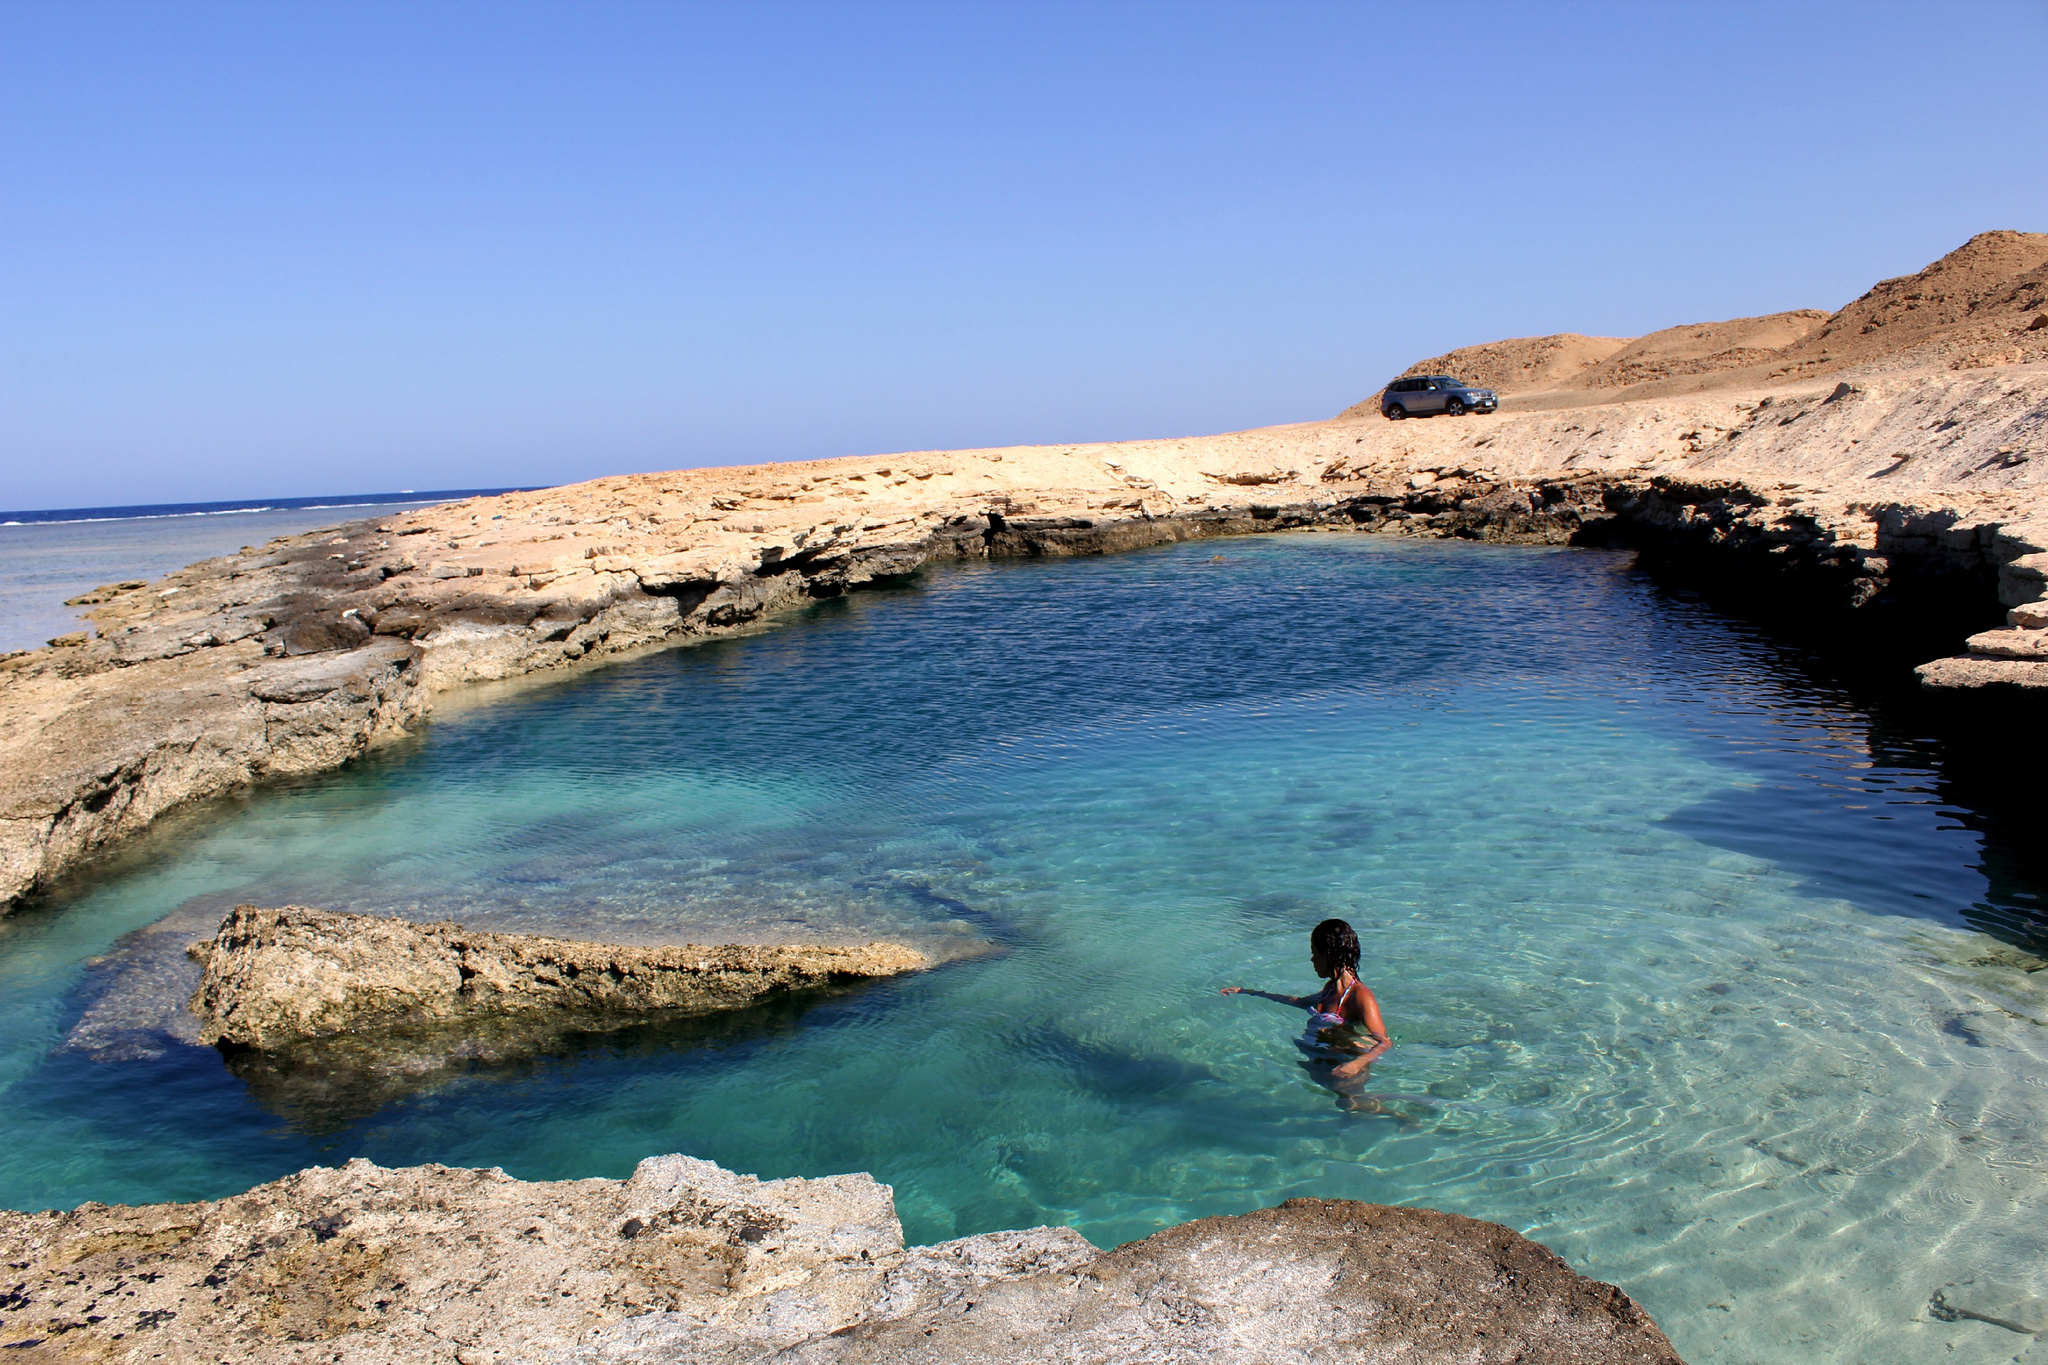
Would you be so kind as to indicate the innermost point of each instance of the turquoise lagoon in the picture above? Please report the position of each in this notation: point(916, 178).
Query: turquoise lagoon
point(1687, 967)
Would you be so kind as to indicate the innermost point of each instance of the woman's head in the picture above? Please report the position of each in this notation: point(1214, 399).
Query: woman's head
point(1334, 947)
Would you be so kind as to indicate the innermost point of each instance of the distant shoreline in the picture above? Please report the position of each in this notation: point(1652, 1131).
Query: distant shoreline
point(149, 511)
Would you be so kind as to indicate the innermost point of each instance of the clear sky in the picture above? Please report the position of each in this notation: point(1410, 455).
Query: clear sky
point(300, 248)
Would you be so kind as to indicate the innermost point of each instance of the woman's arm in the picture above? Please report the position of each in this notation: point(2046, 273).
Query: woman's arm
point(1300, 1002)
point(1375, 1027)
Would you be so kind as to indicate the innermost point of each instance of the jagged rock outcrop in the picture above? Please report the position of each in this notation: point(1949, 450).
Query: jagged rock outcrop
point(286, 977)
point(686, 1262)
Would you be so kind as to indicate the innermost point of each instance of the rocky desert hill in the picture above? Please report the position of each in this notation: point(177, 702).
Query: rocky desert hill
point(1983, 304)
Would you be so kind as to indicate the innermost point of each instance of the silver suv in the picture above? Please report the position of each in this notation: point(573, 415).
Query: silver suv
point(1424, 394)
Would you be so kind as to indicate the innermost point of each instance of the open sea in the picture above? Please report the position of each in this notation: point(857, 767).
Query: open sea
point(1700, 970)
point(55, 553)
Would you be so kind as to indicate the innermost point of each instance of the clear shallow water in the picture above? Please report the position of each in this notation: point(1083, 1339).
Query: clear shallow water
point(1680, 966)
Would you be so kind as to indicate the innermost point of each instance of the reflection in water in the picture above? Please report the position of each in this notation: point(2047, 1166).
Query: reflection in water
point(322, 1087)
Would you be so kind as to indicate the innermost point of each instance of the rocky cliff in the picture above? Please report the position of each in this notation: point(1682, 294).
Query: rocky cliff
point(688, 1262)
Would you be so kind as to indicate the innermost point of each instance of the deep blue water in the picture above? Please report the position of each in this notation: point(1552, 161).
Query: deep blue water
point(1681, 963)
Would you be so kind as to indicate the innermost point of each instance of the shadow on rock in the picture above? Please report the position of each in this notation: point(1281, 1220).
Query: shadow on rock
point(324, 1085)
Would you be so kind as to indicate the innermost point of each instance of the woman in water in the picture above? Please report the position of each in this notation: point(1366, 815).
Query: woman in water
point(1342, 1011)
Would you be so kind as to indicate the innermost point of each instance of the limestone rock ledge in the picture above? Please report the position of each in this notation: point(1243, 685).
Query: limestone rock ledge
point(686, 1261)
point(2015, 658)
point(1847, 502)
point(275, 978)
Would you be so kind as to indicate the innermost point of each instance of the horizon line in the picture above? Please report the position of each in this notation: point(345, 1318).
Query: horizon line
point(245, 506)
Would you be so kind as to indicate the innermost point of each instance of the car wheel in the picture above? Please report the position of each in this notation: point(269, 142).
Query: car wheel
point(1454, 408)
point(1396, 413)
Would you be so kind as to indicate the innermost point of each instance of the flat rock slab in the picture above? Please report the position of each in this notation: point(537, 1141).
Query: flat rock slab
point(299, 680)
point(686, 1262)
point(2014, 643)
point(277, 978)
point(1968, 671)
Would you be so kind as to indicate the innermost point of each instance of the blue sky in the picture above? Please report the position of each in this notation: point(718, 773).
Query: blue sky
point(299, 248)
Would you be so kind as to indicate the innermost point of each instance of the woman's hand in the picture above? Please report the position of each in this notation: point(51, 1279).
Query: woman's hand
point(1297, 1001)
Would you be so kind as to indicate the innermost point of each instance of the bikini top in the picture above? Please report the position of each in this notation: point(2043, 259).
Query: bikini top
point(1332, 1017)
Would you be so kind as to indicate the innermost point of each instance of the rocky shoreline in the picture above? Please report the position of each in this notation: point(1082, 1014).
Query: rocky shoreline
point(686, 1261)
point(1852, 503)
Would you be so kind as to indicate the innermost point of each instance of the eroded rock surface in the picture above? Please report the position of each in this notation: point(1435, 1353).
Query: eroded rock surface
point(328, 1017)
point(686, 1262)
point(285, 977)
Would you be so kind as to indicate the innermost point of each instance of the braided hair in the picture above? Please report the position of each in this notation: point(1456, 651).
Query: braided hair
point(1336, 943)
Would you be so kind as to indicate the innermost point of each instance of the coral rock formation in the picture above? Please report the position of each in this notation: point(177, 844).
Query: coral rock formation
point(279, 977)
point(685, 1261)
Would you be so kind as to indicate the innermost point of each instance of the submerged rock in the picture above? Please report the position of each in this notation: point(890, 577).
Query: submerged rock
point(277, 979)
point(327, 1084)
point(685, 1261)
